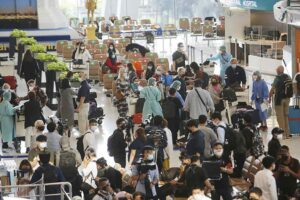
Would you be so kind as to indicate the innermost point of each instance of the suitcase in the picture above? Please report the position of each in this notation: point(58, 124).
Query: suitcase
point(184, 23)
point(108, 80)
point(137, 118)
point(294, 119)
point(11, 80)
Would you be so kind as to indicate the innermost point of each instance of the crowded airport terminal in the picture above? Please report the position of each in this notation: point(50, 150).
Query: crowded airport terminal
point(149, 99)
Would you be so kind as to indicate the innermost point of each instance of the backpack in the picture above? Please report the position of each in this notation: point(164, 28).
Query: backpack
point(110, 145)
point(258, 148)
point(50, 176)
point(169, 108)
point(80, 146)
point(67, 159)
point(230, 139)
point(288, 87)
point(297, 78)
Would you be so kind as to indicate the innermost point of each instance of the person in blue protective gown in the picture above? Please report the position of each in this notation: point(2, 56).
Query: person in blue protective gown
point(224, 59)
point(152, 96)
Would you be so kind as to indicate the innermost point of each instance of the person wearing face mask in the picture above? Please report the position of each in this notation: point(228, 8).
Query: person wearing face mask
point(7, 121)
point(287, 173)
point(131, 73)
point(122, 92)
point(200, 74)
point(181, 78)
point(196, 141)
point(222, 187)
point(224, 59)
point(146, 174)
point(112, 53)
point(24, 176)
point(235, 76)
point(265, 180)
point(25, 169)
point(260, 94)
point(41, 147)
point(215, 89)
point(82, 54)
point(32, 112)
point(150, 71)
point(14, 98)
point(177, 86)
point(114, 176)
point(50, 174)
point(89, 136)
point(152, 97)
point(118, 144)
point(179, 57)
point(53, 137)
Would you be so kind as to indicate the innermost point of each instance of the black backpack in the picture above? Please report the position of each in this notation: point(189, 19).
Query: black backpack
point(110, 145)
point(230, 139)
point(80, 146)
point(288, 87)
point(169, 108)
point(67, 159)
point(50, 176)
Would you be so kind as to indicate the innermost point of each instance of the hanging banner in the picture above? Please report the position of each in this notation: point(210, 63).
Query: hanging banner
point(250, 4)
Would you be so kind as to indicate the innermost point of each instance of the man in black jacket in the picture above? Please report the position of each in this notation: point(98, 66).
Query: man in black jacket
point(119, 143)
point(235, 75)
point(196, 142)
point(113, 175)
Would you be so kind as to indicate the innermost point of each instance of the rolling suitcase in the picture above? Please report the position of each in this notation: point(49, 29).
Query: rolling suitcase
point(294, 118)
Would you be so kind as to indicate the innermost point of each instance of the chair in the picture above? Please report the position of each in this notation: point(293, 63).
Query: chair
point(100, 57)
point(108, 41)
point(144, 62)
point(208, 31)
point(94, 67)
point(152, 56)
point(134, 56)
point(128, 27)
point(170, 30)
point(68, 52)
point(124, 41)
point(221, 30)
point(119, 23)
point(163, 62)
point(115, 31)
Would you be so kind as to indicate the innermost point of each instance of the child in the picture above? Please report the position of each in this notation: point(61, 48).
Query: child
point(274, 144)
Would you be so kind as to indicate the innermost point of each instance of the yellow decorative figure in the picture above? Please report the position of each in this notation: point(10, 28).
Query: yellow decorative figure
point(91, 6)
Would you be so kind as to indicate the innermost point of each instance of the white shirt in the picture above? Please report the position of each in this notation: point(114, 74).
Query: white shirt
point(265, 180)
point(85, 56)
point(221, 132)
point(169, 148)
point(89, 140)
point(89, 173)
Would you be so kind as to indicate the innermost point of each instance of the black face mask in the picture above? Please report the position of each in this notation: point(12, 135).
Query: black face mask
point(123, 127)
point(25, 170)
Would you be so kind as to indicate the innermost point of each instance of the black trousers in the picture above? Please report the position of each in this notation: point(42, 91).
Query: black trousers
point(121, 159)
point(173, 125)
point(225, 193)
point(239, 159)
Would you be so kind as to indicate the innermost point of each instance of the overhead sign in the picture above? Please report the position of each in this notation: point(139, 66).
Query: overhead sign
point(250, 4)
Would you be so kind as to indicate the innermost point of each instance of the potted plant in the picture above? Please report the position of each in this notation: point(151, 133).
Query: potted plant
point(46, 59)
point(75, 81)
point(26, 42)
point(13, 41)
point(37, 48)
point(58, 67)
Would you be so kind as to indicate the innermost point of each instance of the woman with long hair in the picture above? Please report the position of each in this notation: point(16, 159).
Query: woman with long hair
point(29, 69)
point(122, 91)
point(150, 71)
point(82, 53)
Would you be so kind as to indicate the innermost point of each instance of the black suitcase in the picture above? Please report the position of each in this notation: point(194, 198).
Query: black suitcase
point(139, 105)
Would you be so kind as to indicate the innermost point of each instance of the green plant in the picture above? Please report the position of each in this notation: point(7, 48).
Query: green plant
point(37, 48)
point(18, 33)
point(45, 57)
point(28, 41)
point(58, 66)
point(75, 77)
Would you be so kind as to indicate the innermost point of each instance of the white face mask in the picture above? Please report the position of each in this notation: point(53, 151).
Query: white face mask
point(254, 77)
point(31, 88)
point(94, 128)
point(158, 72)
point(111, 48)
point(150, 157)
point(233, 66)
point(181, 48)
point(82, 48)
point(149, 67)
point(140, 88)
point(218, 153)
point(197, 196)
point(43, 144)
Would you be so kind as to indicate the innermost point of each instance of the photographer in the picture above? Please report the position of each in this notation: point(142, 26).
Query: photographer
point(157, 138)
point(146, 174)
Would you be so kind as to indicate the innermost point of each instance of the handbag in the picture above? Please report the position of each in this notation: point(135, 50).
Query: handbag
point(220, 106)
point(207, 110)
